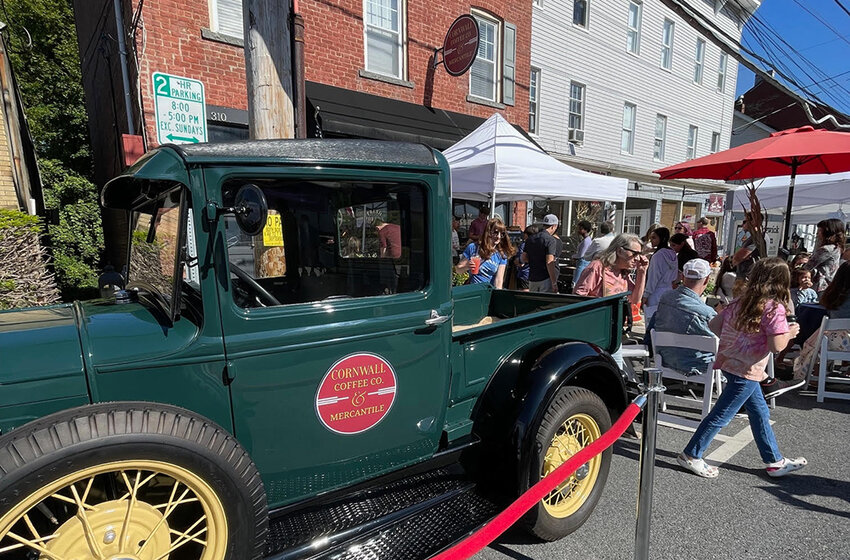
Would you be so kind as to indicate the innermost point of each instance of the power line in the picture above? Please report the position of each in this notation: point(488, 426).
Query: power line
point(840, 5)
point(820, 19)
point(794, 56)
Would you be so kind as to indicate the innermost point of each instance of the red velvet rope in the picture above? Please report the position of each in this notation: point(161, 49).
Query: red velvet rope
point(498, 525)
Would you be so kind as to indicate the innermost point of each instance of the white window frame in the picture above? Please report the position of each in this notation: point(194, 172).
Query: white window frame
point(715, 142)
point(633, 32)
point(586, 23)
point(628, 129)
point(699, 61)
point(660, 144)
point(486, 19)
point(231, 28)
point(693, 139)
point(721, 72)
point(667, 44)
point(580, 101)
point(534, 101)
point(400, 39)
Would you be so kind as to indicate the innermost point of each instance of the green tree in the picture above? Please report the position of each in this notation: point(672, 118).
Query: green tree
point(42, 45)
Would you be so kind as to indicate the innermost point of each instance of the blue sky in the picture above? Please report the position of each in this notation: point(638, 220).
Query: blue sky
point(814, 35)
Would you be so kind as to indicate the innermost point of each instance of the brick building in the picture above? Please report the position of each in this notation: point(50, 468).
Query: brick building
point(394, 93)
point(369, 80)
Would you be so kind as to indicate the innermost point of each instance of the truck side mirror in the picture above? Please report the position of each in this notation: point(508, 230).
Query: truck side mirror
point(249, 208)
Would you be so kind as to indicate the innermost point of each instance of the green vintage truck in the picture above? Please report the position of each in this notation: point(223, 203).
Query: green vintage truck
point(289, 341)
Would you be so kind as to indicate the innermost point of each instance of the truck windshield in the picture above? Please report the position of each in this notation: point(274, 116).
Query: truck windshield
point(154, 243)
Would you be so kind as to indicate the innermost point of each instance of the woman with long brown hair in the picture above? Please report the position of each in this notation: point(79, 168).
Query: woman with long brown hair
point(824, 261)
point(487, 259)
point(750, 328)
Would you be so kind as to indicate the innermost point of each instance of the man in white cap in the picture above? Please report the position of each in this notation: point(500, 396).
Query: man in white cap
point(682, 311)
point(541, 254)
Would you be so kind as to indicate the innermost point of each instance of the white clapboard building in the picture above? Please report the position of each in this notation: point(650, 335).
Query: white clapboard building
point(623, 87)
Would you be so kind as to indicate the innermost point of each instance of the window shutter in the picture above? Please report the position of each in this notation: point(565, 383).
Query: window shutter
point(509, 69)
point(230, 17)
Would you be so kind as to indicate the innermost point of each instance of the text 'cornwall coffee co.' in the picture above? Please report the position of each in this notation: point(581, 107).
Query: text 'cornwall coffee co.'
point(180, 109)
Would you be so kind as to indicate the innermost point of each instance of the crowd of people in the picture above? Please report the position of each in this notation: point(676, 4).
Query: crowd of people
point(754, 301)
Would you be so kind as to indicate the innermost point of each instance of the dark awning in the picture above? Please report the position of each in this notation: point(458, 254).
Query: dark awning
point(342, 112)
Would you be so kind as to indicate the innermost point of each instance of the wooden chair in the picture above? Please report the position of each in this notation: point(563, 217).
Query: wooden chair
point(826, 355)
point(710, 379)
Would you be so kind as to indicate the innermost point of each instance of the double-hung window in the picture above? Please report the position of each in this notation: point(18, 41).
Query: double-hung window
point(484, 75)
point(715, 142)
point(576, 116)
point(533, 100)
point(226, 17)
point(660, 138)
point(384, 29)
point(699, 61)
point(627, 140)
point(721, 72)
point(693, 133)
point(633, 34)
point(581, 10)
point(667, 45)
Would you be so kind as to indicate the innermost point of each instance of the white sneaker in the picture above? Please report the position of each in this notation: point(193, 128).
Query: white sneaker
point(787, 466)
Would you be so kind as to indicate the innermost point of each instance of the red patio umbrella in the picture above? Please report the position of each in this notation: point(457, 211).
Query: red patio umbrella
point(796, 151)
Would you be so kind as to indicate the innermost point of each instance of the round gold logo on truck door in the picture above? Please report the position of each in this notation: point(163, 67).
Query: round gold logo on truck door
point(356, 393)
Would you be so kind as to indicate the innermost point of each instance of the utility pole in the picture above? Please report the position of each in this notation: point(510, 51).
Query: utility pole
point(268, 64)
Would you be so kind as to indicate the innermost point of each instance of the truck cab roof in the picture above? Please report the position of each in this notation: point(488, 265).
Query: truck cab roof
point(161, 168)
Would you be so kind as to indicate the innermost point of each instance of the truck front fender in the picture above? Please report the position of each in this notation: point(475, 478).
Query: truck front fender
point(512, 406)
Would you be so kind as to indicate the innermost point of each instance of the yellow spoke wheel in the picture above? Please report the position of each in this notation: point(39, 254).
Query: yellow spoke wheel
point(577, 432)
point(574, 418)
point(127, 510)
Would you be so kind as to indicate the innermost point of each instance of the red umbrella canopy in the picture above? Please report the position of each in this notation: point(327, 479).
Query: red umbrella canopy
point(795, 151)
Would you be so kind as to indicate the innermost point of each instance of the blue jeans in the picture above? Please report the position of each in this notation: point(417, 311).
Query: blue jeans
point(738, 392)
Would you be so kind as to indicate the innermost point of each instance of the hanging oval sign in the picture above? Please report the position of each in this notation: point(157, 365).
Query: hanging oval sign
point(356, 393)
point(460, 46)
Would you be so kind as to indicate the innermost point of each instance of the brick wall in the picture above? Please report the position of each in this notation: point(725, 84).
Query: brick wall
point(8, 196)
point(333, 53)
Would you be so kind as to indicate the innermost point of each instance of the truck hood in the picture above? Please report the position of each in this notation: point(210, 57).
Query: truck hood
point(40, 355)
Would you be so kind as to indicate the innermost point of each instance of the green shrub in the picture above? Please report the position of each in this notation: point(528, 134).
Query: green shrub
point(78, 238)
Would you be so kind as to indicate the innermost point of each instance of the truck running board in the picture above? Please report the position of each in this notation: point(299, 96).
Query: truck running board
point(412, 518)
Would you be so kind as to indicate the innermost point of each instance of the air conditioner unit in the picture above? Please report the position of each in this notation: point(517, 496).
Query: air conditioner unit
point(576, 136)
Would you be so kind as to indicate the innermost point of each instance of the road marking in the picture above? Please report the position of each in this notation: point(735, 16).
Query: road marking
point(731, 446)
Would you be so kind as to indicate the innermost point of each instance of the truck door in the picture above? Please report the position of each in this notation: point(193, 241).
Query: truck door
point(336, 326)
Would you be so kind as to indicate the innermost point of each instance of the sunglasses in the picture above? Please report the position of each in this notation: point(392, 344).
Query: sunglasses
point(632, 252)
point(496, 233)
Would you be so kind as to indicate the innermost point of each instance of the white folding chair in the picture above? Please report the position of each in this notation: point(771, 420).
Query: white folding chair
point(826, 355)
point(710, 379)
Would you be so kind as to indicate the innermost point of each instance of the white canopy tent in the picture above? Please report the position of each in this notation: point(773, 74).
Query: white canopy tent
point(496, 162)
point(816, 197)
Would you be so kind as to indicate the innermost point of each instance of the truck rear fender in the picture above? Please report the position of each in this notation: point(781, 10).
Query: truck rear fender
point(514, 402)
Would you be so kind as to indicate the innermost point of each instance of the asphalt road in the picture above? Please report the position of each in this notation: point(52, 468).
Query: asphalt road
point(743, 514)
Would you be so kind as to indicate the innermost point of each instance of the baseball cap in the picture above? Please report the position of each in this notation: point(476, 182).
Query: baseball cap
point(696, 269)
point(550, 220)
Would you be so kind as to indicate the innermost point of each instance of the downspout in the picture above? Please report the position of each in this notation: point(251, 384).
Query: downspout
point(125, 73)
point(298, 72)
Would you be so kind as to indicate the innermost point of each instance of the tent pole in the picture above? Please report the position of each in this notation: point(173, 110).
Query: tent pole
point(786, 235)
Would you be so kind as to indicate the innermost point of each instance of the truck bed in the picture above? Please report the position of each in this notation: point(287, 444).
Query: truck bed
point(481, 312)
point(491, 327)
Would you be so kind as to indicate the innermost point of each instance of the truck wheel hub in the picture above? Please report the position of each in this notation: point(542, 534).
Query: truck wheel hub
point(102, 527)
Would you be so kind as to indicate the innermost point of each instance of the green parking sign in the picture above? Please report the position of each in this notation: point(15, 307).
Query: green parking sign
point(180, 109)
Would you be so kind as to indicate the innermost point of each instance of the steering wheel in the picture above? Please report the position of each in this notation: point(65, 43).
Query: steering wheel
point(263, 297)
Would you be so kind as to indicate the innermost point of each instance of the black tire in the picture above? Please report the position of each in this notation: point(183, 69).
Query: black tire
point(584, 409)
point(102, 446)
